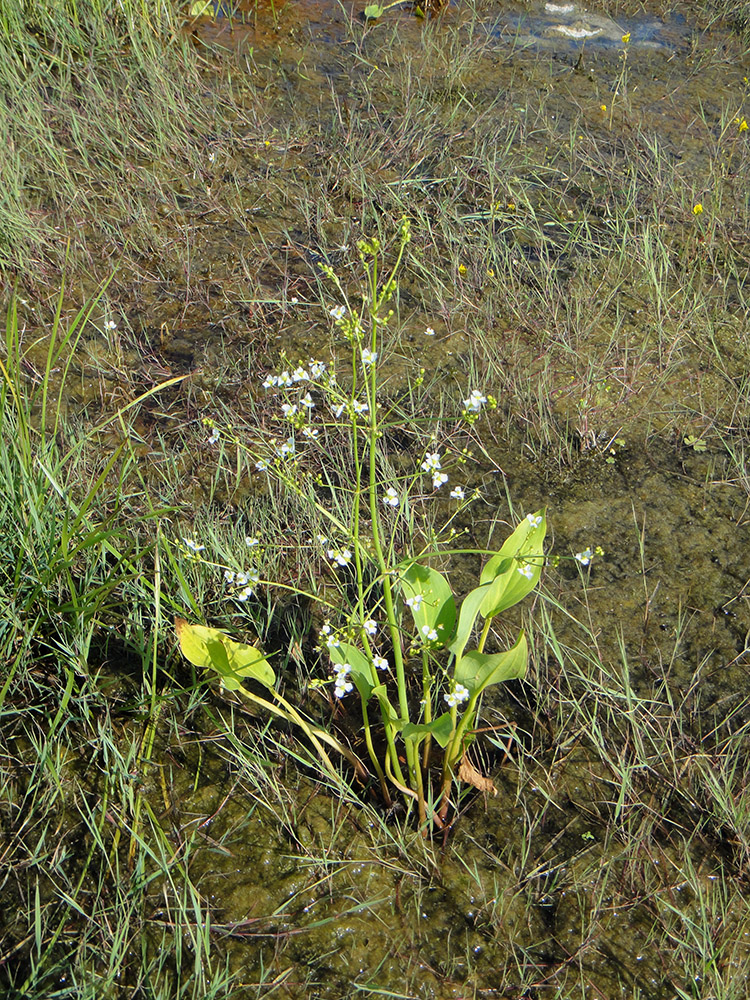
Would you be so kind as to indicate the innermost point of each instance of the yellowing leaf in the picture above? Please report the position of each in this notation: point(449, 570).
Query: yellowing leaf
point(214, 650)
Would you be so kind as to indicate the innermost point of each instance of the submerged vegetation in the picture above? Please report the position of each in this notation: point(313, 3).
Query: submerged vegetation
point(570, 319)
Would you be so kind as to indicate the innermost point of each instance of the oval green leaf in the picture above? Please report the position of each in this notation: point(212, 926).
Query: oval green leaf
point(437, 609)
point(478, 671)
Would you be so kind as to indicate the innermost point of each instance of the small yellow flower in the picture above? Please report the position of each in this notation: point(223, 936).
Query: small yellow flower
point(462, 269)
point(698, 209)
point(626, 38)
point(490, 272)
point(511, 206)
point(743, 126)
point(602, 107)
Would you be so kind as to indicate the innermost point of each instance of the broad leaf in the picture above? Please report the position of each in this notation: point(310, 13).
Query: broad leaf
point(466, 618)
point(437, 609)
point(478, 671)
point(235, 662)
point(373, 11)
point(441, 729)
point(515, 570)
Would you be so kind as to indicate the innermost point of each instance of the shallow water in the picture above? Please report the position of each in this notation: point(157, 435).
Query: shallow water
point(604, 375)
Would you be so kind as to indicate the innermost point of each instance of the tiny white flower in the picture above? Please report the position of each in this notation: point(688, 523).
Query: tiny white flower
point(415, 602)
point(369, 357)
point(342, 669)
point(110, 325)
point(585, 557)
point(429, 633)
point(317, 368)
point(458, 695)
point(283, 380)
point(438, 478)
point(534, 520)
point(243, 595)
point(251, 542)
point(261, 465)
point(526, 570)
point(214, 436)
point(338, 410)
point(390, 497)
point(370, 626)
point(300, 375)
point(287, 448)
point(342, 688)
point(229, 576)
point(326, 628)
point(310, 432)
point(359, 407)
point(380, 662)
point(475, 402)
point(338, 312)
point(431, 462)
point(294, 300)
point(288, 409)
point(193, 546)
point(340, 557)
point(307, 401)
point(457, 493)
point(429, 332)
point(332, 642)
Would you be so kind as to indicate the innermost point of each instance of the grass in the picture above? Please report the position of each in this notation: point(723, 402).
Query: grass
point(159, 840)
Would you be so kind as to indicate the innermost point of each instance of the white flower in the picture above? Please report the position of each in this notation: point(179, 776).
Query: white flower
point(380, 662)
point(429, 332)
point(340, 557)
point(458, 695)
point(332, 642)
point(193, 546)
point(251, 542)
point(310, 432)
point(585, 557)
point(288, 409)
point(359, 407)
point(429, 633)
point(317, 368)
point(415, 602)
point(343, 685)
point(438, 478)
point(390, 497)
point(338, 312)
point(457, 493)
point(294, 300)
point(370, 626)
point(244, 594)
point(229, 576)
point(534, 520)
point(526, 570)
point(110, 325)
point(431, 462)
point(300, 375)
point(307, 401)
point(475, 402)
point(214, 436)
point(369, 357)
point(261, 465)
point(338, 410)
point(283, 380)
point(287, 448)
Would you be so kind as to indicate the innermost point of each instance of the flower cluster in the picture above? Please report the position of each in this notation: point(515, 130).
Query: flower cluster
point(244, 583)
point(342, 684)
point(457, 696)
point(432, 466)
point(475, 403)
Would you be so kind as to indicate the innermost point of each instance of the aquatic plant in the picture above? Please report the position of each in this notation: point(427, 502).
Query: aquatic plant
point(392, 624)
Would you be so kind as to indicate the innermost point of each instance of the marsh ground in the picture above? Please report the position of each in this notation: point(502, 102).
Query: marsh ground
point(580, 222)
